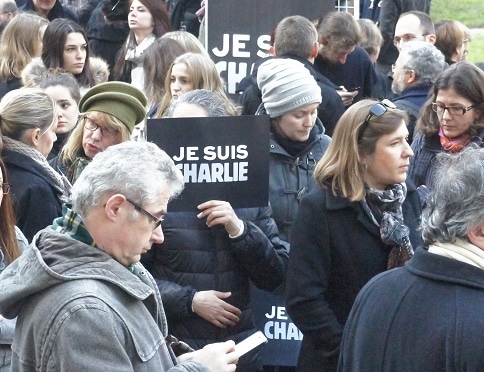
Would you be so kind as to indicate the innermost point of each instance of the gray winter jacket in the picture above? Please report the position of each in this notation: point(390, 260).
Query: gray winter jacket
point(80, 310)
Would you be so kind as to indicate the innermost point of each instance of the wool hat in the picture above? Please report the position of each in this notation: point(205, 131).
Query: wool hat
point(286, 85)
point(122, 100)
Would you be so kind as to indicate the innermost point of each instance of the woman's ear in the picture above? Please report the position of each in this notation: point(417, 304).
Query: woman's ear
point(32, 138)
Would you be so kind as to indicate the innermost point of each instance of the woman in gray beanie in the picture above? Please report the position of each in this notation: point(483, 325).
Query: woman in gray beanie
point(291, 96)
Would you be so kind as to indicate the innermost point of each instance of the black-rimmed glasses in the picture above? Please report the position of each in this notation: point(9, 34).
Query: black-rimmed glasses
point(5, 187)
point(377, 109)
point(440, 108)
point(155, 219)
point(91, 125)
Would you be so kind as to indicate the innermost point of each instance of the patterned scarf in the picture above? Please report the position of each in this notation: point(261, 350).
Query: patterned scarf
point(393, 231)
point(456, 144)
point(70, 223)
point(76, 168)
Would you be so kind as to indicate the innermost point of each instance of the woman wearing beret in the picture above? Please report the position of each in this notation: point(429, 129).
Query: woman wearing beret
point(109, 112)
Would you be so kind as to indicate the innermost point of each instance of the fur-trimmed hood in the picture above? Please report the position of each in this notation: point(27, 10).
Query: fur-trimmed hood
point(35, 71)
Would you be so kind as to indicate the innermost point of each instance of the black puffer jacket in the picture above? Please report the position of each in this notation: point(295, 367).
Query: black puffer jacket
point(195, 257)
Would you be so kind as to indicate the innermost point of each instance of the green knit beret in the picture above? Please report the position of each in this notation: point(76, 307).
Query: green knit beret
point(121, 100)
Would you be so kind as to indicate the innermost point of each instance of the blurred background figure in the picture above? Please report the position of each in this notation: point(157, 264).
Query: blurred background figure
point(147, 20)
point(20, 42)
point(443, 282)
point(49, 9)
point(452, 39)
point(8, 9)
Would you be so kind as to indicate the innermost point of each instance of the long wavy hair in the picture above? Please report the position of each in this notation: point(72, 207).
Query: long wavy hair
point(8, 240)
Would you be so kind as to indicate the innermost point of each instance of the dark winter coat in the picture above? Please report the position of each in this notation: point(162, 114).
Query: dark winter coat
point(426, 316)
point(335, 250)
point(357, 71)
point(58, 11)
point(36, 199)
point(195, 257)
point(291, 177)
point(411, 101)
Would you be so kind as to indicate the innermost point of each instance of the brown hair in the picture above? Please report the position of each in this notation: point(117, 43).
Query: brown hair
point(8, 240)
point(340, 167)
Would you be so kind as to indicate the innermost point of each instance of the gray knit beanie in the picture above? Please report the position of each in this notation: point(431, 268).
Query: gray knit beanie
point(286, 85)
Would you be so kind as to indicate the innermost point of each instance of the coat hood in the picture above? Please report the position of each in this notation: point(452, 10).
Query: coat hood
point(35, 71)
point(54, 258)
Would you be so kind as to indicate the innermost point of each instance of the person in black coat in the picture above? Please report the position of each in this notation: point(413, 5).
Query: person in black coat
point(209, 258)
point(28, 135)
point(429, 313)
point(51, 10)
point(361, 221)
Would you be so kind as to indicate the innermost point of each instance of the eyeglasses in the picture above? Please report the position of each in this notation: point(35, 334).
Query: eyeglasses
point(156, 220)
point(377, 109)
point(439, 108)
point(406, 38)
point(93, 126)
point(5, 187)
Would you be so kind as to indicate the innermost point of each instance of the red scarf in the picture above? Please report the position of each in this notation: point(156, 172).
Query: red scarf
point(456, 144)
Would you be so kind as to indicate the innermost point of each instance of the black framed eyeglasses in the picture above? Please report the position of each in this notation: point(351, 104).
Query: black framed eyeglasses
point(377, 109)
point(5, 187)
point(440, 108)
point(155, 219)
point(91, 125)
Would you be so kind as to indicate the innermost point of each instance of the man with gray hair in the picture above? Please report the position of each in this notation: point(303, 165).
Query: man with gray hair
point(82, 299)
point(417, 66)
point(427, 315)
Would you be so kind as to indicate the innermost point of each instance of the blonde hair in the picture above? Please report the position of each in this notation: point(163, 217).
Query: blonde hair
point(203, 75)
point(73, 147)
point(18, 44)
point(24, 109)
point(340, 167)
point(188, 41)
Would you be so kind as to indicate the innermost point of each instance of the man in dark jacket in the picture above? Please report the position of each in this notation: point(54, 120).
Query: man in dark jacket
point(341, 60)
point(390, 11)
point(297, 38)
point(50, 9)
point(427, 316)
point(414, 72)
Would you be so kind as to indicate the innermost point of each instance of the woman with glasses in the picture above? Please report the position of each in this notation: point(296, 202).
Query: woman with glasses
point(359, 222)
point(12, 242)
point(28, 119)
point(109, 113)
point(451, 119)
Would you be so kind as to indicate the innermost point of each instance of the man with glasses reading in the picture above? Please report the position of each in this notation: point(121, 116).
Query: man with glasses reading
point(82, 299)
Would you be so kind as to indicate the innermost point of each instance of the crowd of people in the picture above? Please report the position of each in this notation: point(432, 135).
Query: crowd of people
point(373, 234)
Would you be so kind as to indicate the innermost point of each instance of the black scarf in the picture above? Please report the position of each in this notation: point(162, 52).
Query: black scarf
point(295, 148)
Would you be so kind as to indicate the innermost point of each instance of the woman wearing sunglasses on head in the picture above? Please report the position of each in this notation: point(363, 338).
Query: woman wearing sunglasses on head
point(360, 221)
point(109, 113)
point(450, 120)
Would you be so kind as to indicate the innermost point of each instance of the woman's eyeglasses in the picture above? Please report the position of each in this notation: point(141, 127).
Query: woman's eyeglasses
point(377, 109)
point(440, 108)
point(93, 126)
